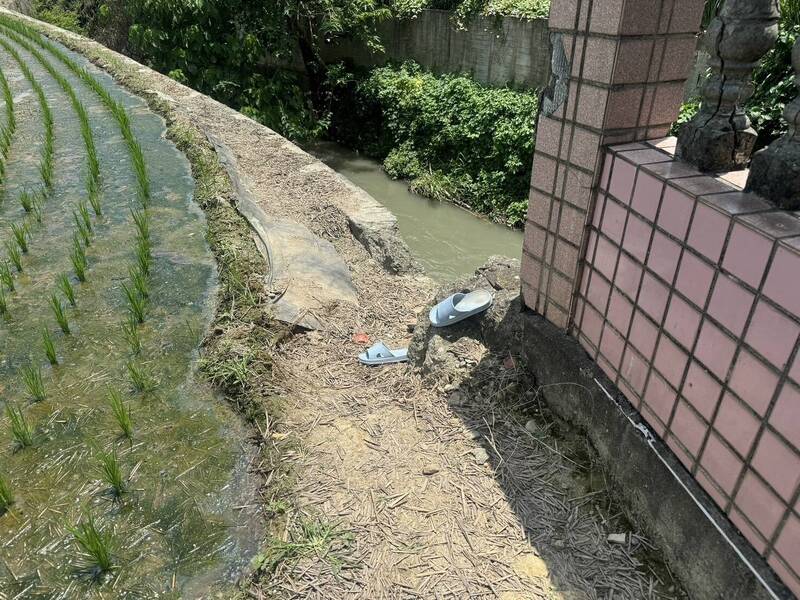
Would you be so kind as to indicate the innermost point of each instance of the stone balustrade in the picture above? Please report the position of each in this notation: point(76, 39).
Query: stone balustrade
point(720, 137)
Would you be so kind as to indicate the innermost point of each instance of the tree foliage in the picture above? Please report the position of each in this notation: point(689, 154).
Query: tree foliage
point(452, 137)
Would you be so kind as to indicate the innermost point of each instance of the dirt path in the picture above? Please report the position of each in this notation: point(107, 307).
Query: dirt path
point(405, 487)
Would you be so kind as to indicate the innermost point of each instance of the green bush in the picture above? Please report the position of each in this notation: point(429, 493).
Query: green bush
point(452, 137)
point(464, 10)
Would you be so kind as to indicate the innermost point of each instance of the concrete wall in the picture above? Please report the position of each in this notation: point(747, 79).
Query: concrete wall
point(495, 51)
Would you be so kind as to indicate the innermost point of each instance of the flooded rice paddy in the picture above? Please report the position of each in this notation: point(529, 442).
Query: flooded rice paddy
point(181, 523)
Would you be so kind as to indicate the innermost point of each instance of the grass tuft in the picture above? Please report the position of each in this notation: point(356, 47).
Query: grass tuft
point(121, 412)
point(60, 315)
point(95, 545)
point(49, 347)
point(32, 378)
point(20, 430)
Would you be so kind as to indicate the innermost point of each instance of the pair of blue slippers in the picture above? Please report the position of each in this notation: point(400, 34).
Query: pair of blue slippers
point(449, 311)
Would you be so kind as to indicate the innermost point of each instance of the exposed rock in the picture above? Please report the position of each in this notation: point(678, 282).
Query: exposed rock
point(481, 456)
point(430, 470)
point(448, 353)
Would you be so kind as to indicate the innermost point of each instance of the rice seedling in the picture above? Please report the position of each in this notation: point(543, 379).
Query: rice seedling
point(93, 165)
point(20, 430)
point(95, 544)
point(94, 201)
point(142, 221)
point(139, 281)
point(111, 473)
point(46, 166)
point(32, 378)
point(6, 496)
point(121, 412)
point(3, 302)
point(36, 211)
point(14, 255)
point(141, 380)
point(46, 163)
point(84, 214)
point(78, 259)
point(49, 347)
point(66, 288)
point(130, 329)
point(11, 121)
point(144, 256)
point(20, 233)
point(60, 315)
point(6, 277)
point(137, 304)
point(83, 232)
point(119, 111)
point(27, 199)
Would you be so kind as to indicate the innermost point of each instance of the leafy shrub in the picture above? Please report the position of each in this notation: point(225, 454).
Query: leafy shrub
point(452, 137)
point(463, 10)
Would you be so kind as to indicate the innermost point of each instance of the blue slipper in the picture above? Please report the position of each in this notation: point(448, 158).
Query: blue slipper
point(459, 307)
point(379, 354)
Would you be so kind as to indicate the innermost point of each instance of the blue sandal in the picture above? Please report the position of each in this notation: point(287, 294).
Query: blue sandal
point(458, 307)
point(380, 354)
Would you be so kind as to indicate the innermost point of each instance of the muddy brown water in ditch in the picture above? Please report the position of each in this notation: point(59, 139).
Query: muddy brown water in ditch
point(187, 526)
point(448, 241)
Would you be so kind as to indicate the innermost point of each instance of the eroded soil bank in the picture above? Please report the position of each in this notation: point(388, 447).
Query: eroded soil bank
point(444, 478)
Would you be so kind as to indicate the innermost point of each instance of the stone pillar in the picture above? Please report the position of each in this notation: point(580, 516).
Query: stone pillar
point(775, 170)
point(618, 72)
point(719, 138)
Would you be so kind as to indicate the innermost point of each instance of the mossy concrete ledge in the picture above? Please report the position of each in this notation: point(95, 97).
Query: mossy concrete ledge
point(286, 185)
point(702, 547)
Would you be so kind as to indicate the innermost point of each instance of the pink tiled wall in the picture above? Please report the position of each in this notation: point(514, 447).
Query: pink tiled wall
point(690, 302)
